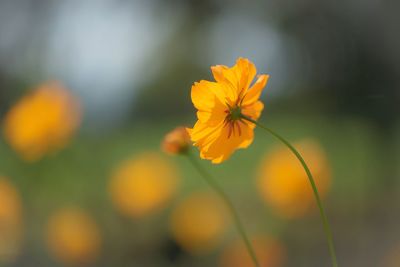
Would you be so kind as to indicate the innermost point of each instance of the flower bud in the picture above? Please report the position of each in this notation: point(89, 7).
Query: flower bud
point(176, 142)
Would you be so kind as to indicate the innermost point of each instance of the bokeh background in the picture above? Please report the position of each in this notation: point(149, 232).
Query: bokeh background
point(88, 90)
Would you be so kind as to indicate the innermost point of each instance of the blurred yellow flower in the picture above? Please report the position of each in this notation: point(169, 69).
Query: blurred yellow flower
point(283, 184)
point(143, 184)
point(199, 222)
point(176, 142)
point(392, 258)
point(73, 237)
point(220, 129)
point(270, 253)
point(10, 221)
point(42, 121)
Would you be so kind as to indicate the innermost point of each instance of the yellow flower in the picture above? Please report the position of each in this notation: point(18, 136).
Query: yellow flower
point(270, 253)
point(143, 184)
point(199, 222)
point(176, 142)
point(283, 184)
point(10, 221)
point(42, 121)
point(73, 237)
point(220, 129)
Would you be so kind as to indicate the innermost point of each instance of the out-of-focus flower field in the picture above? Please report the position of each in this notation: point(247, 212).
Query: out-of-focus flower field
point(90, 90)
point(118, 199)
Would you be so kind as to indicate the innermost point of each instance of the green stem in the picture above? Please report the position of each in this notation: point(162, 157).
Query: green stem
point(211, 181)
point(327, 228)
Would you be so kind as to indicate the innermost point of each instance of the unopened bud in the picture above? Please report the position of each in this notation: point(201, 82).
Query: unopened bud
point(176, 142)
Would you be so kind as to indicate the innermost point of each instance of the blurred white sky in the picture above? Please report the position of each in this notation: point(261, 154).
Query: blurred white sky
point(104, 49)
point(237, 33)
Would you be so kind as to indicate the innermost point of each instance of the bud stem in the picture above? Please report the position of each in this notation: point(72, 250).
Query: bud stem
point(217, 188)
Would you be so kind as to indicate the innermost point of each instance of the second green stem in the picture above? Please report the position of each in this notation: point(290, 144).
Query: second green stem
point(209, 179)
point(324, 218)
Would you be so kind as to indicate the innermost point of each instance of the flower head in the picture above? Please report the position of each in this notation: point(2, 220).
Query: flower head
point(42, 121)
point(221, 105)
point(176, 142)
point(143, 185)
point(282, 182)
point(73, 237)
point(198, 223)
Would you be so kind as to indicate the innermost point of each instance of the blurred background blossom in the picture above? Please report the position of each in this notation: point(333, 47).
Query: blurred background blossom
point(270, 252)
point(42, 121)
point(73, 237)
point(143, 185)
point(283, 184)
point(199, 222)
point(88, 90)
point(11, 222)
point(392, 258)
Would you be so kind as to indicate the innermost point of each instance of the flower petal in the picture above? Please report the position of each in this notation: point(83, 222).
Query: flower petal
point(226, 143)
point(208, 98)
point(228, 79)
point(237, 79)
point(205, 94)
point(253, 110)
point(225, 75)
point(245, 71)
point(202, 133)
point(212, 118)
point(254, 93)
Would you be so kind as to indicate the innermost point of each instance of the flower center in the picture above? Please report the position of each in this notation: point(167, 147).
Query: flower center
point(235, 113)
point(233, 120)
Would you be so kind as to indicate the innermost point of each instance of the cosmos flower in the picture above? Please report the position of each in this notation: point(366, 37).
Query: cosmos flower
point(220, 128)
point(73, 237)
point(42, 121)
point(199, 222)
point(143, 184)
point(283, 184)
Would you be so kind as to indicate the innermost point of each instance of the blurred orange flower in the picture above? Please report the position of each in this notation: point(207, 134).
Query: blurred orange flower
point(270, 253)
point(199, 222)
point(73, 237)
point(392, 258)
point(42, 121)
point(177, 141)
point(220, 129)
point(143, 184)
point(283, 184)
point(10, 221)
